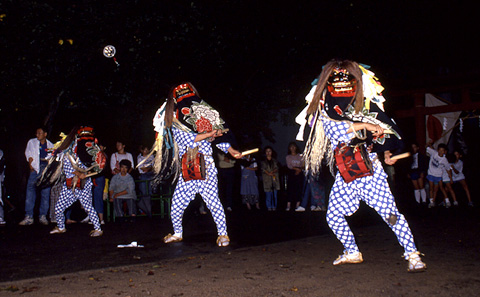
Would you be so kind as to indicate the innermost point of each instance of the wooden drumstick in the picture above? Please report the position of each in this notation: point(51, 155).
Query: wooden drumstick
point(250, 152)
point(400, 156)
point(90, 174)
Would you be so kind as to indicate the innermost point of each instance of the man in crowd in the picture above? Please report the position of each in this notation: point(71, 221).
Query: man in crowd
point(36, 153)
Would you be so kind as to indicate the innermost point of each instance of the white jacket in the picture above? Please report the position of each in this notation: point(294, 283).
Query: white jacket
point(33, 151)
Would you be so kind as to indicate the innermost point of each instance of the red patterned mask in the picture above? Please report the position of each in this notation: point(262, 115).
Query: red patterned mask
point(341, 83)
point(183, 91)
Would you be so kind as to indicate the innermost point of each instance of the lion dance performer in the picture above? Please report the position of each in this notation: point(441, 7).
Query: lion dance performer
point(74, 160)
point(349, 127)
point(186, 128)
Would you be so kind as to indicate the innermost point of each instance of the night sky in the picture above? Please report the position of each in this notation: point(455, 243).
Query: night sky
point(247, 58)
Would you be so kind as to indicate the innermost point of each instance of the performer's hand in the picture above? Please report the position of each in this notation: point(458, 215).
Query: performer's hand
point(215, 133)
point(80, 174)
point(209, 135)
point(236, 154)
point(377, 130)
point(389, 161)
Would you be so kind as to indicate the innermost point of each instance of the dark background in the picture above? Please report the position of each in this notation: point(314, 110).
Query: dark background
point(248, 59)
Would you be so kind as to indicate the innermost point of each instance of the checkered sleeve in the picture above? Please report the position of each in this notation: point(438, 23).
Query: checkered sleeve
point(67, 167)
point(224, 146)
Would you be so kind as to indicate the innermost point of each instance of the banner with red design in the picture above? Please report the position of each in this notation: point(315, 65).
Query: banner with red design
point(440, 125)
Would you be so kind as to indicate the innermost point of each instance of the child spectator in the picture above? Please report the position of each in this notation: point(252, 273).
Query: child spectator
point(438, 163)
point(447, 179)
point(417, 174)
point(249, 183)
point(458, 176)
point(122, 189)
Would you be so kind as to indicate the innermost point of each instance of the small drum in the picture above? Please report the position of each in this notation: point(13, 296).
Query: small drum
point(193, 165)
point(79, 183)
point(353, 161)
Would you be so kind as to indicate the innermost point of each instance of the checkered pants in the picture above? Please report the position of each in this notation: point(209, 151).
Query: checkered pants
point(373, 190)
point(68, 197)
point(185, 192)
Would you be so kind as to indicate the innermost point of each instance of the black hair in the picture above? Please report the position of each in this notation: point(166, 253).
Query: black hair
point(274, 153)
point(442, 145)
point(127, 163)
point(44, 128)
point(297, 149)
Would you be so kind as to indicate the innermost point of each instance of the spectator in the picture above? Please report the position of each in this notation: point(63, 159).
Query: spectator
point(295, 176)
point(270, 177)
point(417, 174)
point(438, 163)
point(122, 189)
point(226, 178)
point(98, 188)
point(249, 183)
point(315, 189)
point(36, 154)
point(447, 180)
point(459, 177)
point(145, 175)
point(120, 155)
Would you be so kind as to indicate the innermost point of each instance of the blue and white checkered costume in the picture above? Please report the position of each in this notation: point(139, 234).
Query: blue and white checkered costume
point(68, 197)
point(373, 190)
point(185, 191)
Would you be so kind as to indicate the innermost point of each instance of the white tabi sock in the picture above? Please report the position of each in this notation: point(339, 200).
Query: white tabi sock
point(417, 195)
point(423, 194)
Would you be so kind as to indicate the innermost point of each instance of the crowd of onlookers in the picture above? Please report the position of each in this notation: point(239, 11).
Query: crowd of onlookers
point(128, 190)
point(127, 187)
point(442, 170)
point(115, 184)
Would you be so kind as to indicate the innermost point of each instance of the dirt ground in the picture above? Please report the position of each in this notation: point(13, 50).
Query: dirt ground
point(449, 238)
